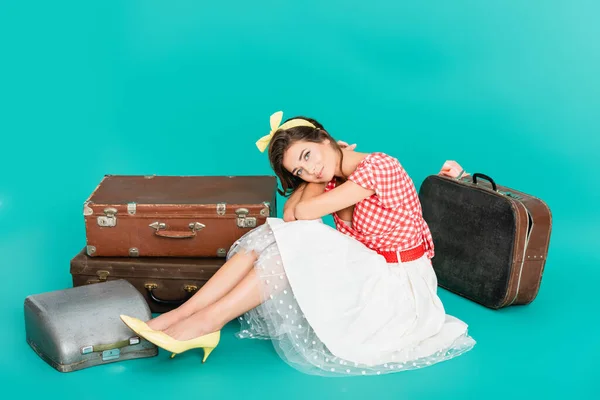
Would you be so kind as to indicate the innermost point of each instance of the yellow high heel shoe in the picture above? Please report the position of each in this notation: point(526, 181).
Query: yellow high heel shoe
point(135, 324)
point(206, 342)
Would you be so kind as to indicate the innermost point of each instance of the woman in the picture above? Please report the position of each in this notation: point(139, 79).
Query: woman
point(358, 299)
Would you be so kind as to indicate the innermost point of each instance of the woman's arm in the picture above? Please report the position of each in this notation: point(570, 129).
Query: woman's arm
point(304, 192)
point(290, 205)
point(343, 196)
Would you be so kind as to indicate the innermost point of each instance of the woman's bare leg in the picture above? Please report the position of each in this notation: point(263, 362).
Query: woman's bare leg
point(222, 282)
point(244, 297)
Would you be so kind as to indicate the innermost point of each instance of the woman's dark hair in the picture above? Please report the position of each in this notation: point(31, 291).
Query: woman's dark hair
point(283, 139)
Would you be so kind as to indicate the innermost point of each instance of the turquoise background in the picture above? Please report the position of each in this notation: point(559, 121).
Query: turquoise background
point(510, 89)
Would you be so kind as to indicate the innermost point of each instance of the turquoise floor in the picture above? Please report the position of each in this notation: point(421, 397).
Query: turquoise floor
point(509, 89)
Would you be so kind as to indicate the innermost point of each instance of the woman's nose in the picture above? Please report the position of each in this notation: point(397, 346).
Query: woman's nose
point(311, 168)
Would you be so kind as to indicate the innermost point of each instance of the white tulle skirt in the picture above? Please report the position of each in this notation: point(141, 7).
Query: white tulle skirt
point(334, 307)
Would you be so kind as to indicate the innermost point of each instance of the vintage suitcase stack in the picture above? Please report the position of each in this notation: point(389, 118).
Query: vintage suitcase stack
point(490, 241)
point(152, 242)
point(167, 235)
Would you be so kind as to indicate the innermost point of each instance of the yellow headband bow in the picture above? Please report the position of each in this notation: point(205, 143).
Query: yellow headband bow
point(276, 118)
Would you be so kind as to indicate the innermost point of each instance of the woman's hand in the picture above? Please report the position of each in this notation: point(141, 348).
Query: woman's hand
point(345, 146)
point(289, 208)
point(452, 169)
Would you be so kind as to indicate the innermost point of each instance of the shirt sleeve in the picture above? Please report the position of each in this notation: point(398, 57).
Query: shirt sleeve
point(385, 176)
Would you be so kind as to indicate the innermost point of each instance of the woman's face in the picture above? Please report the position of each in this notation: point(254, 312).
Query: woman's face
point(312, 162)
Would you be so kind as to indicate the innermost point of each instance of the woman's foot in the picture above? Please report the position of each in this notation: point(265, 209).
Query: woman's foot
point(165, 320)
point(196, 325)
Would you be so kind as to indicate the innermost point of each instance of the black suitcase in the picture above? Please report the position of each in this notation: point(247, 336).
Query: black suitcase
point(490, 241)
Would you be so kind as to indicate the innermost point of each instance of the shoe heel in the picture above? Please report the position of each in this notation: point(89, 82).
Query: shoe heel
point(207, 351)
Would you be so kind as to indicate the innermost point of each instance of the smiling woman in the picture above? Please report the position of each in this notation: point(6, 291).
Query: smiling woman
point(360, 299)
point(314, 160)
point(318, 163)
point(304, 153)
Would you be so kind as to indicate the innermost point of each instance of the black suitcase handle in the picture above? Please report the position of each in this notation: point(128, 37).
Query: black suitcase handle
point(191, 289)
point(487, 178)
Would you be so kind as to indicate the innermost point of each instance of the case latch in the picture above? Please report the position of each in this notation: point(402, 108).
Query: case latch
point(513, 195)
point(110, 219)
point(112, 354)
point(243, 221)
point(131, 208)
point(102, 276)
point(265, 212)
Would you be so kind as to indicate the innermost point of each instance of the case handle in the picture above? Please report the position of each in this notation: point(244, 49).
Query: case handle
point(191, 289)
point(110, 347)
point(487, 178)
point(175, 234)
point(161, 230)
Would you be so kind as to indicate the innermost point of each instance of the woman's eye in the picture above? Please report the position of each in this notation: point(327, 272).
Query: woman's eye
point(299, 172)
point(306, 155)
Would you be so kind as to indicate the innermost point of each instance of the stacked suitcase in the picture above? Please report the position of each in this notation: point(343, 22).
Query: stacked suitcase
point(168, 235)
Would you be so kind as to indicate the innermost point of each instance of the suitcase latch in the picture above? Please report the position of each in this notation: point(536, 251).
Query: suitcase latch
point(513, 195)
point(131, 208)
point(221, 208)
point(267, 210)
point(102, 276)
point(109, 220)
point(243, 221)
point(112, 354)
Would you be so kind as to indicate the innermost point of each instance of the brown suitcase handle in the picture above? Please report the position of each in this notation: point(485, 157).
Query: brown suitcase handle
point(175, 234)
point(162, 231)
point(191, 289)
point(487, 178)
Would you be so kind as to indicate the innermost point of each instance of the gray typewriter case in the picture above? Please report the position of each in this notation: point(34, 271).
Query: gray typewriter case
point(80, 327)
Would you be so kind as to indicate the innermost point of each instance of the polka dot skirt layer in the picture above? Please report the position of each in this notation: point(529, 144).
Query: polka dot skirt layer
point(281, 320)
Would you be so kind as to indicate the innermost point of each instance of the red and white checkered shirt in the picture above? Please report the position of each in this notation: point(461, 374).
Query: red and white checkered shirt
point(391, 219)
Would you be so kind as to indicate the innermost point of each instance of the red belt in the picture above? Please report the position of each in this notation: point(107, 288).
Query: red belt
point(405, 255)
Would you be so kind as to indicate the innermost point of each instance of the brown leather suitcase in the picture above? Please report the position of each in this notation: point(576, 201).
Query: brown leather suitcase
point(175, 216)
point(165, 282)
point(491, 241)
